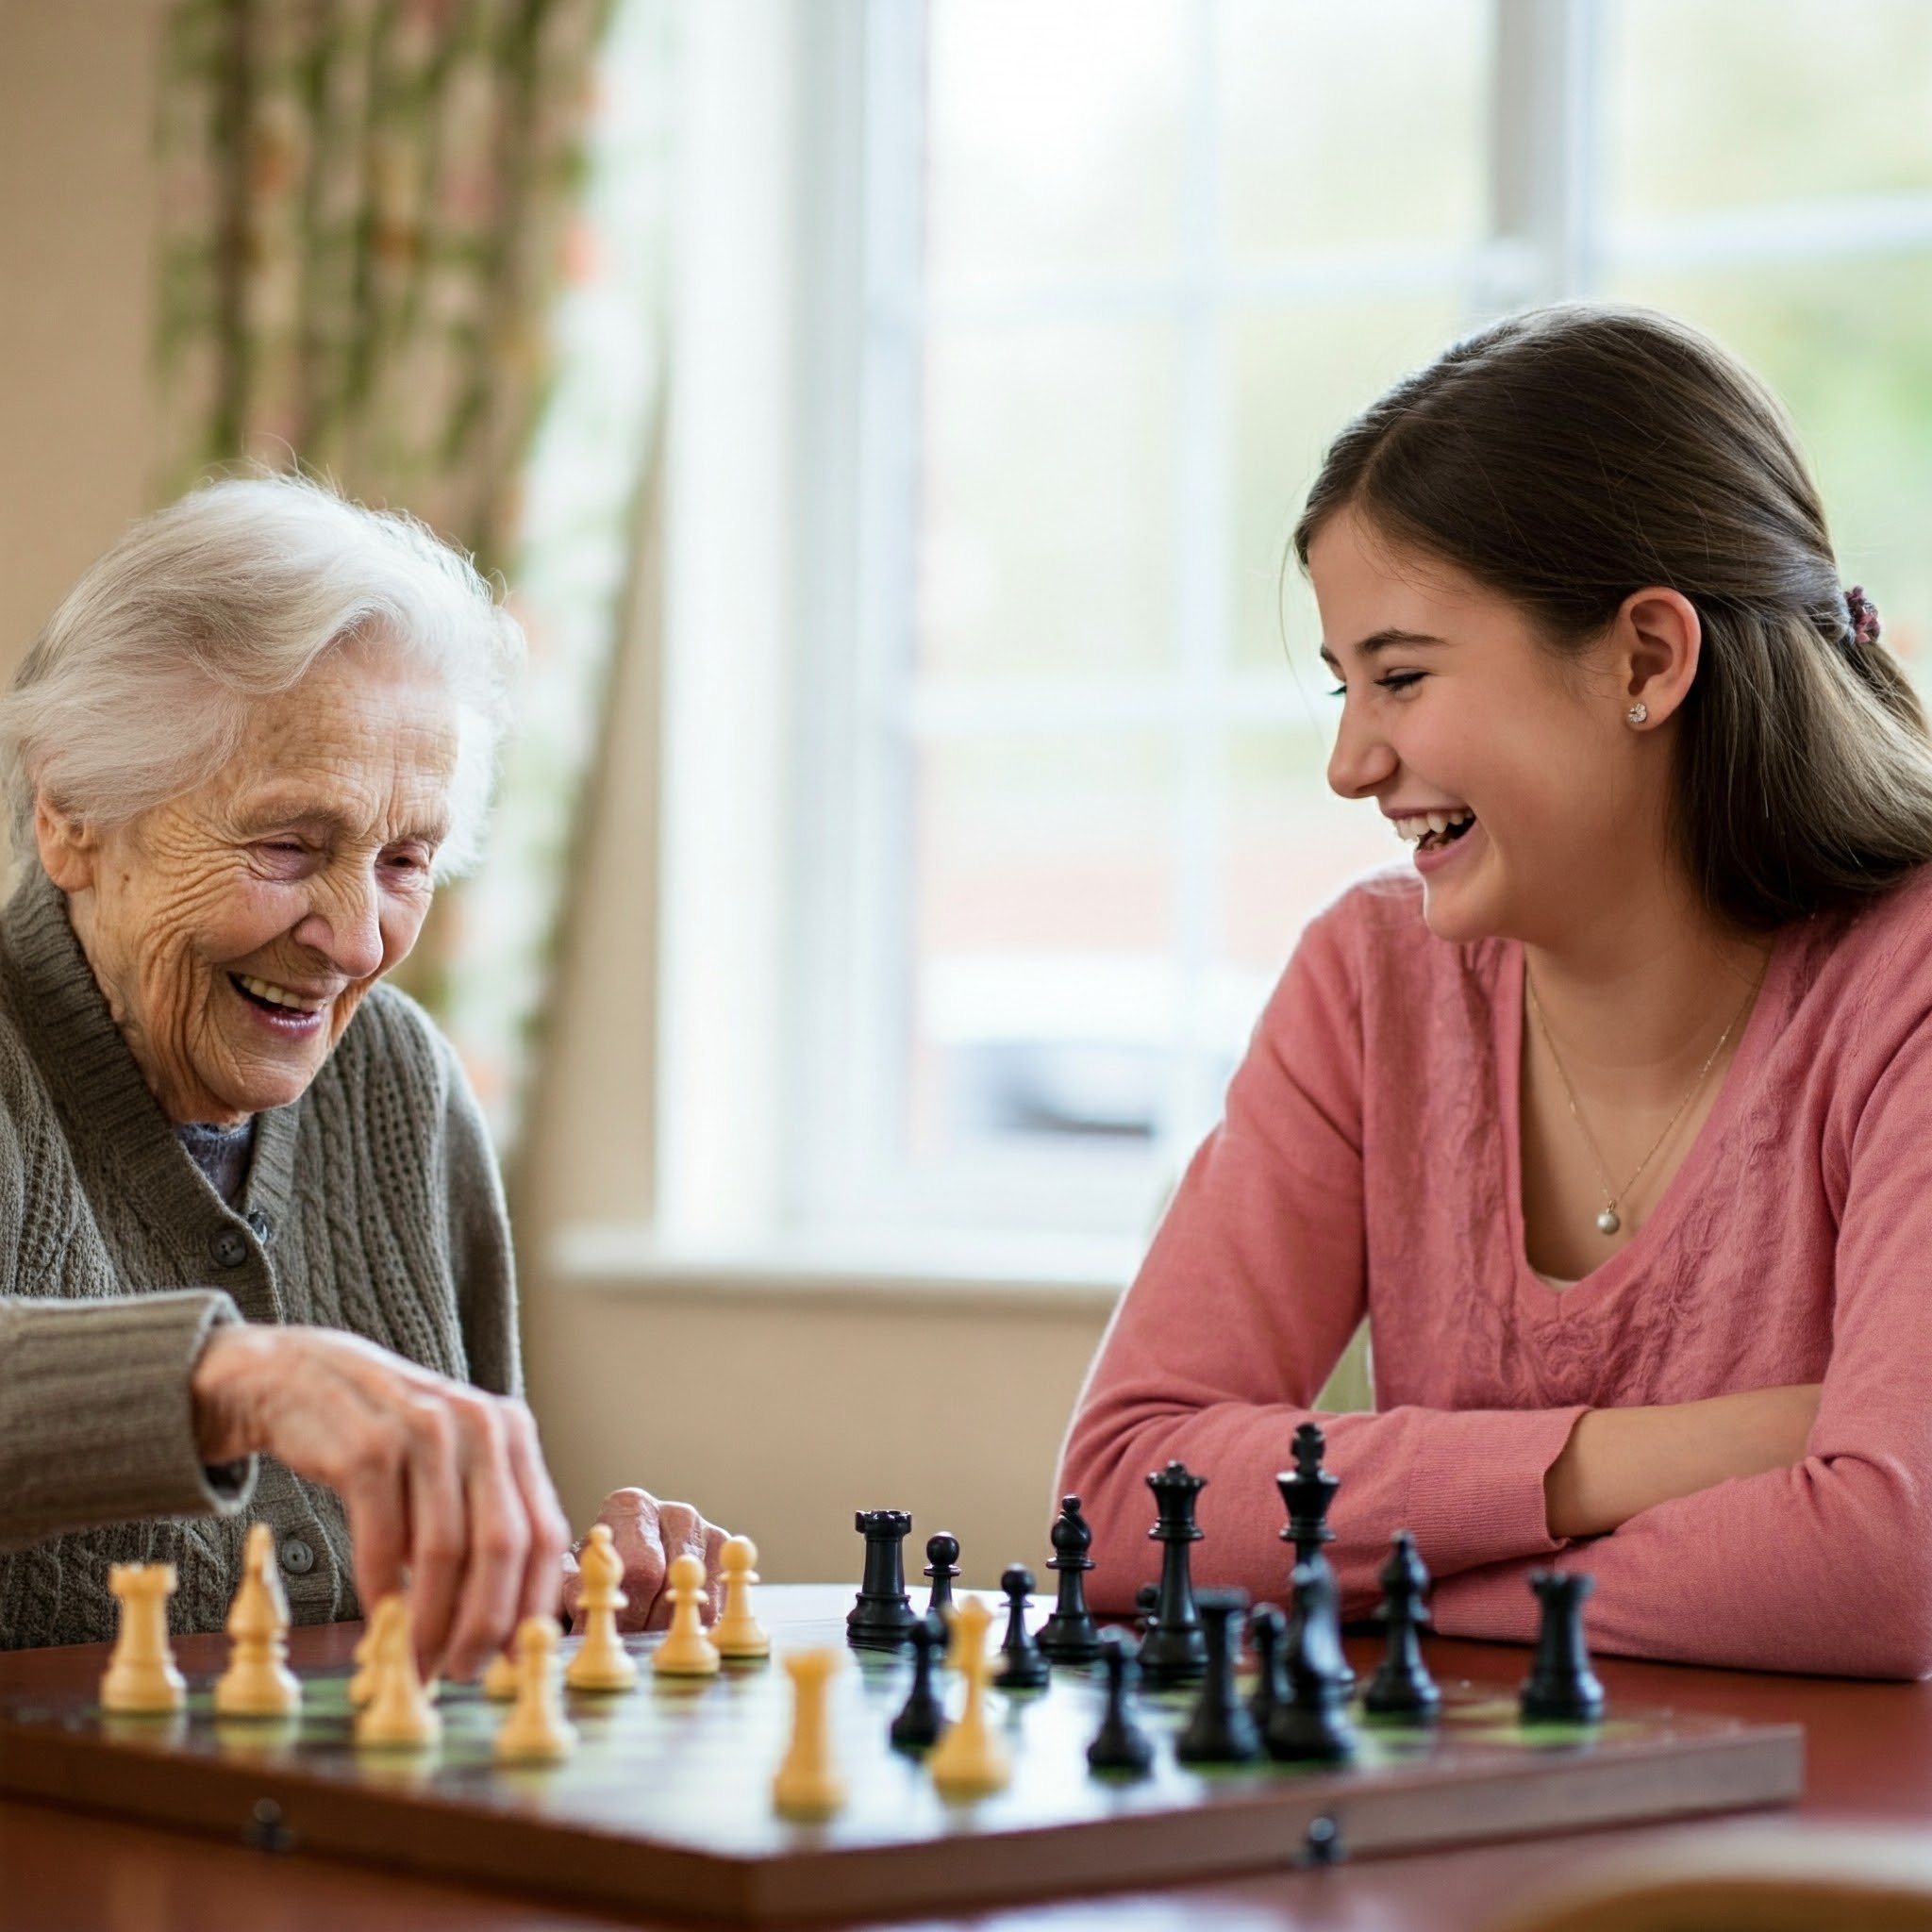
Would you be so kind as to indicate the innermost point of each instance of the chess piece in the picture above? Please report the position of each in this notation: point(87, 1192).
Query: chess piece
point(1308, 1490)
point(399, 1715)
point(686, 1651)
point(1144, 1599)
point(1311, 1726)
point(942, 1567)
point(1220, 1730)
point(1174, 1650)
point(1267, 1628)
point(1120, 1745)
point(362, 1685)
point(1069, 1636)
point(1561, 1688)
point(924, 1717)
point(882, 1613)
point(258, 1682)
point(500, 1678)
point(969, 1761)
point(602, 1663)
point(738, 1635)
point(140, 1678)
point(1022, 1667)
point(807, 1784)
point(536, 1731)
point(1403, 1687)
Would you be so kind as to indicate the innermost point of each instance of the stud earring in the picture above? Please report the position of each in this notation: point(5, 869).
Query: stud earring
point(1638, 713)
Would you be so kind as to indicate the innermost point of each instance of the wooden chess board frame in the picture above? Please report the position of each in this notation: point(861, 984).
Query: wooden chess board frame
point(666, 1806)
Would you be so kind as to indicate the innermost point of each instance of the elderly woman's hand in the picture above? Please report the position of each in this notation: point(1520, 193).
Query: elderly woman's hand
point(435, 1474)
point(649, 1536)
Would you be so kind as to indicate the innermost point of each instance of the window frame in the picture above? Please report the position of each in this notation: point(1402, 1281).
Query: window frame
point(813, 1047)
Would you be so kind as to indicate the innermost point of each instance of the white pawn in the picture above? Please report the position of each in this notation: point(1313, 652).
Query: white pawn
point(369, 1646)
point(807, 1784)
point(141, 1677)
point(258, 1682)
point(537, 1731)
point(686, 1651)
point(602, 1663)
point(969, 1761)
point(399, 1715)
point(737, 1633)
point(500, 1678)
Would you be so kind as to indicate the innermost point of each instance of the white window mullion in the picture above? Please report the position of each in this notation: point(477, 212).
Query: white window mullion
point(881, 993)
point(1201, 604)
point(1544, 155)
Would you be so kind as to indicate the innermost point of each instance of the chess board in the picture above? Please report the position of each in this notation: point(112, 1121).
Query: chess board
point(666, 1805)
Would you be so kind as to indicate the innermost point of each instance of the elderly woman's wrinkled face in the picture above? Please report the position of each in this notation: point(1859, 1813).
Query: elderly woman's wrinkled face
point(234, 930)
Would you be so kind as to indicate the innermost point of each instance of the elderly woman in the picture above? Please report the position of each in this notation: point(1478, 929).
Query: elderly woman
point(260, 1268)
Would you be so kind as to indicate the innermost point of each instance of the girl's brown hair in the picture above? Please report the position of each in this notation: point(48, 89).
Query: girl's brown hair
point(1571, 456)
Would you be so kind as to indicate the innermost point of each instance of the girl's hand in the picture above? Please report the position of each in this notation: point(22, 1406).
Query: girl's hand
point(1619, 1462)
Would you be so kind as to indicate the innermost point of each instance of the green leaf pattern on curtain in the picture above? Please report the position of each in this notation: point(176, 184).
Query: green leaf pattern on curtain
point(363, 208)
point(416, 246)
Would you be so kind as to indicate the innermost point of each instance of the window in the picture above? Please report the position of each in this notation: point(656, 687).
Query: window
point(1091, 283)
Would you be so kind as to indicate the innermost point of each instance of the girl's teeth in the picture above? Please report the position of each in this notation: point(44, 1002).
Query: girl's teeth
point(1438, 823)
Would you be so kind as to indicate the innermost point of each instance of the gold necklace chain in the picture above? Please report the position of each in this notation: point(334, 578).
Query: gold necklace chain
point(1610, 1220)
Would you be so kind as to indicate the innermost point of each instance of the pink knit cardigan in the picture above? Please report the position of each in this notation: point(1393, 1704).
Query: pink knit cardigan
point(1368, 1163)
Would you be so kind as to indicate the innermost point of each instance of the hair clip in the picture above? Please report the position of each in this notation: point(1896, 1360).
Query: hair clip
point(1863, 616)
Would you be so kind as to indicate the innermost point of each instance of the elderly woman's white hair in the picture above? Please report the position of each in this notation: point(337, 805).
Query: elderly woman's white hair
point(139, 687)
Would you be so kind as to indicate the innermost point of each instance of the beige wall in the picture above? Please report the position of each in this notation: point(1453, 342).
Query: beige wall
point(77, 226)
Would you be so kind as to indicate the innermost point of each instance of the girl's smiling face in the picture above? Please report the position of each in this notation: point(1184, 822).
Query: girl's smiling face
point(1454, 704)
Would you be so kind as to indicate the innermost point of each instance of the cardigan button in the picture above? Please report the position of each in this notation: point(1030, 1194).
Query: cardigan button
point(230, 1248)
point(298, 1557)
point(259, 1223)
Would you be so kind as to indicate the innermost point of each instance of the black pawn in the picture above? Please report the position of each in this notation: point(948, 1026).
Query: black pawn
point(1312, 1727)
point(1220, 1731)
point(1174, 1650)
point(1267, 1627)
point(1119, 1744)
point(1144, 1599)
point(1561, 1688)
point(1403, 1687)
point(942, 1567)
point(919, 1724)
point(882, 1616)
point(1069, 1636)
point(1023, 1667)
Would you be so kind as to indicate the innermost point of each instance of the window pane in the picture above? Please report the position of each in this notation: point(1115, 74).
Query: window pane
point(1722, 103)
point(1054, 135)
point(1044, 870)
point(1298, 377)
point(1851, 354)
point(1291, 844)
point(1353, 125)
point(1048, 516)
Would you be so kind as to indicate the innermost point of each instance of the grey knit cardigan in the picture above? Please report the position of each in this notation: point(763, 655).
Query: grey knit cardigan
point(373, 1205)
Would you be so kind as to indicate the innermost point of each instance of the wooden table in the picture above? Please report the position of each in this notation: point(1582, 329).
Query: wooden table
point(1868, 1760)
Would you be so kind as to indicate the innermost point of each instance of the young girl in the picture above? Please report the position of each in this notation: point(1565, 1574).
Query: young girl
point(1613, 1115)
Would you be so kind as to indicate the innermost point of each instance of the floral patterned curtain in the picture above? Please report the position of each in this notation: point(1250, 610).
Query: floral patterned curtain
point(362, 207)
point(416, 245)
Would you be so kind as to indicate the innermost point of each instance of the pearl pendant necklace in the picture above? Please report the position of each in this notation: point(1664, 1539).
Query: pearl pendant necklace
point(1609, 1221)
